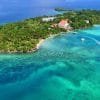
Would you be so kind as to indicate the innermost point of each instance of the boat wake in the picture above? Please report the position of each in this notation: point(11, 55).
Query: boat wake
point(95, 40)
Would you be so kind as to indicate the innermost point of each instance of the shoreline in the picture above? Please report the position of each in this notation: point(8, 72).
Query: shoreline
point(40, 43)
point(27, 36)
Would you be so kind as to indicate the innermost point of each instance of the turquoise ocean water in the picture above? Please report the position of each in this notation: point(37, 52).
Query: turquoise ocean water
point(64, 68)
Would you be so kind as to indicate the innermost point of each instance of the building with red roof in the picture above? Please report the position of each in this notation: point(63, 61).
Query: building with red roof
point(64, 24)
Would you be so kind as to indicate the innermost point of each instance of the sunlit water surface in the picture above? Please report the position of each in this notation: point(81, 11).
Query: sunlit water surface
point(66, 67)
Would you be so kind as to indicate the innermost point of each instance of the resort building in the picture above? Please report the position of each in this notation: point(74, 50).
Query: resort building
point(87, 21)
point(47, 19)
point(64, 24)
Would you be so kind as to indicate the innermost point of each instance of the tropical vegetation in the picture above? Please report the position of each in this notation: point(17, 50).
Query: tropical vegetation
point(23, 36)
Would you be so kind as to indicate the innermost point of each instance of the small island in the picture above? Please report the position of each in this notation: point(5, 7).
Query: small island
point(60, 9)
point(24, 36)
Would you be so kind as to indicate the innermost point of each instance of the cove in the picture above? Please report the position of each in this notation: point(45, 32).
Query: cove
point(64, 68)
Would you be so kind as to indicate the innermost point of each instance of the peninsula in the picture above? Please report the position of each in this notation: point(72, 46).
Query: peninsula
point(24, 36)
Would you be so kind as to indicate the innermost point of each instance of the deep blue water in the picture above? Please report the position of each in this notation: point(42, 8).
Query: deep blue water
point(64, 68)
point(16, 10)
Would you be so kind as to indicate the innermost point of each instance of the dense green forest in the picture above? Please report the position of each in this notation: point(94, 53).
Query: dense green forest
point(23, 36)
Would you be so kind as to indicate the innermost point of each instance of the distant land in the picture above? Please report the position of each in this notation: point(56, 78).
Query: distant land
point(60, 9)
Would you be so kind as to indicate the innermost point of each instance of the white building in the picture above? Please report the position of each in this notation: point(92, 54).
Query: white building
point(47, 19)
point(87, 21)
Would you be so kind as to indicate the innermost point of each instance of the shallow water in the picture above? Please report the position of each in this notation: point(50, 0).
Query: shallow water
point(64, 68)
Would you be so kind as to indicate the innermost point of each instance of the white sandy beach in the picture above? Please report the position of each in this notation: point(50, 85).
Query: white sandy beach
point(40, 43)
